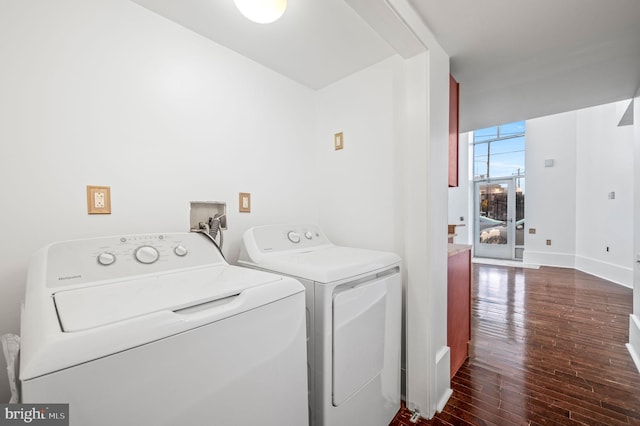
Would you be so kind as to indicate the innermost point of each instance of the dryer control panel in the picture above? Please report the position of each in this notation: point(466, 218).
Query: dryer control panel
point(112, 258)
point(262, 241)
point(286, 237)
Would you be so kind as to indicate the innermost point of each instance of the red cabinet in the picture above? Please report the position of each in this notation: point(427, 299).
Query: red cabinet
point(454, 112)
point(458, 304)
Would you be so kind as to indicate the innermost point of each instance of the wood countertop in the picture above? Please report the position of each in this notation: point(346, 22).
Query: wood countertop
point(454, 249)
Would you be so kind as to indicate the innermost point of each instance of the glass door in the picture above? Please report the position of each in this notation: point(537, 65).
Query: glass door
point(495, 219)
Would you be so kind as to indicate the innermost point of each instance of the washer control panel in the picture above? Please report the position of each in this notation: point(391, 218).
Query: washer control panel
point(147, 254)
point(109, 258)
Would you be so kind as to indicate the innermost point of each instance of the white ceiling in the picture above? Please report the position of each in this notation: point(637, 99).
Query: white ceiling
point(316, 42)
point(514, 59)
point(519, 59)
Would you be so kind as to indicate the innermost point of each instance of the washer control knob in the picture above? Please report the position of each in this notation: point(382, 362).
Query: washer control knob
point(146, 254)
point(106, 258)
point(308, 235)
point(180, 251)
point(293, 236)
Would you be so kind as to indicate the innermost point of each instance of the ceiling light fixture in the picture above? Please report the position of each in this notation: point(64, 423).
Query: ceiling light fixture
point(261, 11)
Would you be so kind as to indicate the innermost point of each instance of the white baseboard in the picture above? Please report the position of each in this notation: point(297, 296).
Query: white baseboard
point(443, 380)
point(634, 339)
point(503, 262)
point(608, 271)
point(561, 260)
point(443, 401)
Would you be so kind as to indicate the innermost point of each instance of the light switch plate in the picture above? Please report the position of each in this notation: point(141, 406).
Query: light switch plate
point(98, 200)
point(244, 202)
point(338, 141)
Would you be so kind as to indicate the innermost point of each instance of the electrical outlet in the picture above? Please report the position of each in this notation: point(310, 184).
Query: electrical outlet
point(98, 200)
point(548, 242)
point(244, 202)
point(532, 230)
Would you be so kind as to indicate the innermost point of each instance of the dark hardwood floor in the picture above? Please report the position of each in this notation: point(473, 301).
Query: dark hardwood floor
point(548, 348)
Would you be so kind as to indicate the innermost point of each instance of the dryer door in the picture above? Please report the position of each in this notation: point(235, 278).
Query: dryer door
point(358, 337)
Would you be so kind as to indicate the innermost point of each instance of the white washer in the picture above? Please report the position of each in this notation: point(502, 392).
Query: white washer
point(159, 330)
point(353, 320)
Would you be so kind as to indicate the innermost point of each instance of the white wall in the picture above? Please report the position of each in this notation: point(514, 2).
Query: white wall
point(550, 192)
point(106, 93)
point(427, 138)
point(386, 113)
point(359, 188)
point(568, 203)
point(604, 165)
point(636, 208)
point(634, 320)
point(436, 219)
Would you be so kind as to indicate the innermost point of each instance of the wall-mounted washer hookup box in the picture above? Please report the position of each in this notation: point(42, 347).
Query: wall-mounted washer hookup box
point(201, 211)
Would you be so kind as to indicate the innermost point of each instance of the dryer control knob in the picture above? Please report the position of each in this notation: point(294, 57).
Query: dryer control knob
point(293, 236)
point(180, 251)
point(308, 235)
point(106, 259)
point(146, 254)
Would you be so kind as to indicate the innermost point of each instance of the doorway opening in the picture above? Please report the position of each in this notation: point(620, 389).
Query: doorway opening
point(499, 191)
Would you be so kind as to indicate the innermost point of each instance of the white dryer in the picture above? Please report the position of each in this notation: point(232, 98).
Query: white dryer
point(354, 299)
point(159, 330)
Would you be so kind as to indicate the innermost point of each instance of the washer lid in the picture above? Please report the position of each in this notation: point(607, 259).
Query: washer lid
point(327, 264)
point(89, 307)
